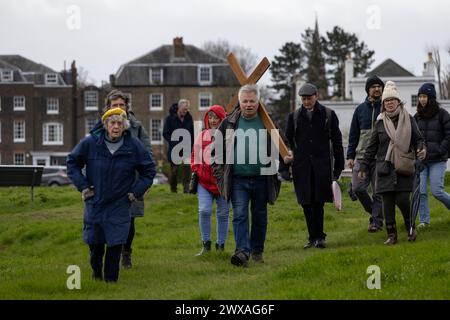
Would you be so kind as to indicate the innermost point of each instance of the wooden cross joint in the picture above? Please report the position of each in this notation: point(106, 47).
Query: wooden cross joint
point(260, 69)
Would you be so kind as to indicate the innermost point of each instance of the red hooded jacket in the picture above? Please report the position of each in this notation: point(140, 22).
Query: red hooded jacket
point(201, 153)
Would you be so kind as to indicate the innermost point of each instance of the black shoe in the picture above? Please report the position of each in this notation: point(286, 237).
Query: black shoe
point(239, 259)
point(308, 245)
point(321, 244)
point(220, 247)
point(206, 248)
point(126, 258)
point(258, 257)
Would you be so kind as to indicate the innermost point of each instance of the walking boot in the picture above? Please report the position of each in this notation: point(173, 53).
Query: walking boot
point(206, 248)
point(220, 247)
point(126, 258)
point(412, 234)
point(392, 234)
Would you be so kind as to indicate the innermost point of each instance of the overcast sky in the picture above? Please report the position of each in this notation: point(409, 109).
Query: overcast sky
point(103, 34)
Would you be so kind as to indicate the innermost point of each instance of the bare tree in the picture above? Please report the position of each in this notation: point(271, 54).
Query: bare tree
point(221, 48)
point(83, 78)
point(438, 65)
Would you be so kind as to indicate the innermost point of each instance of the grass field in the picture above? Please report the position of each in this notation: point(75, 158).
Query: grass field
point(39, 241)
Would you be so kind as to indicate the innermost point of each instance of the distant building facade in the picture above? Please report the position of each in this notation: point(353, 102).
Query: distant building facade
point(36, 106)
point(161, 77)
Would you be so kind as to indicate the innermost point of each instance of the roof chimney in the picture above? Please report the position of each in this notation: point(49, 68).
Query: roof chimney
point(178, 47)
point(349, 74)
point(429, 66)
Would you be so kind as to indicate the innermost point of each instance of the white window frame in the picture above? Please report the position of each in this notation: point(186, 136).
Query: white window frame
point(86, 124)
point(56, 106)
point(7, 76)
point(156, 142)
point(201, 96)
point(90, 108)
point(45, 134)
point(414, 103)
point(19, 140)
point(161, 107)
point(150, 76)
point(51, 78)
point(16, 105)
point(199, 73)
point(19, 153)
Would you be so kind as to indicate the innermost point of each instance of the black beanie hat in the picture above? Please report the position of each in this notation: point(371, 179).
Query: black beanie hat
point(428, 89)
point(374, 80)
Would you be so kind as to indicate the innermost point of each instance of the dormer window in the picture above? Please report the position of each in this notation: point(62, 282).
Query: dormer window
point(205, 75)
point(156, 75)
point(51, 78)
point(7, 75)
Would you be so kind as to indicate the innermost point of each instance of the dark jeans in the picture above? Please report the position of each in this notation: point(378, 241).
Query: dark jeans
point(372, 205)
point(112, 259)
point(314, 220)
point(401, 199)
point(127, 245)
point(253, 191)
point(185, 176)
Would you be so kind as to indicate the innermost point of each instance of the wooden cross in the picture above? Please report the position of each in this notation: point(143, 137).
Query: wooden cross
point(252, 79)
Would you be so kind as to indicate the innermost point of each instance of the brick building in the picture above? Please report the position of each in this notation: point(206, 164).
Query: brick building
point(36, 105)
point(161, 77)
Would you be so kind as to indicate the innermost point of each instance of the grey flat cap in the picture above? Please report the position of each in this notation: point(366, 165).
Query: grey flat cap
point(307, 89)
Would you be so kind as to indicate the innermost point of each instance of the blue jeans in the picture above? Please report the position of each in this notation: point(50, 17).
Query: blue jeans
point(246, 190)
point(436, 172)
point(205, 203)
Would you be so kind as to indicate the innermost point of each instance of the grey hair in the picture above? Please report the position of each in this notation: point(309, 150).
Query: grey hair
point(249, 88)
point(183, 101)
point(116, 117)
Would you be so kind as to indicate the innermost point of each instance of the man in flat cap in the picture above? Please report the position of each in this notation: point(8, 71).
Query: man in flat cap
point(363, 122)
point(314, 139)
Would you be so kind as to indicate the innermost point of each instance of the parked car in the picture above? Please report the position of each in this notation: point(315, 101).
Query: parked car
point(55, 176)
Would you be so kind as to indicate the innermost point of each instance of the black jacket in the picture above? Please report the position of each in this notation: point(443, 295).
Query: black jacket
point(387, 179)
point(436, 132)
point(171, 123)
point(313, 154)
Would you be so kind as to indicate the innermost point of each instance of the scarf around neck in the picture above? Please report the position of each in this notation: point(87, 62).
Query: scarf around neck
point(400, 137)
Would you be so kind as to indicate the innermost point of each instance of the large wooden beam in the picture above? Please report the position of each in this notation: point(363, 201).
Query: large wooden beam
point(260, 69)
point(252, 79)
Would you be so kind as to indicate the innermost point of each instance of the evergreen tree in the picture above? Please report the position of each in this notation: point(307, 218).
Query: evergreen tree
point(315, 70)
point(284, 67)
point(337, 45)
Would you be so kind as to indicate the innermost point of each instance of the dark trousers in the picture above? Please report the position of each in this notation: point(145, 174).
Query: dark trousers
point(314, 220)
point(314, 214)
point(185, 176)
point(401, 199)
point(372, 205)
point(112, 259)
point(127, 245)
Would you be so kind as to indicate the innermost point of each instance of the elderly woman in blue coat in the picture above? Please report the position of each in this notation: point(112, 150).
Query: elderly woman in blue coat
point(108, 188)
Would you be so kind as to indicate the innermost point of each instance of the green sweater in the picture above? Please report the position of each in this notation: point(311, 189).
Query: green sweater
point(247, 161)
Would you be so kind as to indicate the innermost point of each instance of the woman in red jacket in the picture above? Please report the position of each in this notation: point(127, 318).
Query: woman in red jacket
point(207, 188)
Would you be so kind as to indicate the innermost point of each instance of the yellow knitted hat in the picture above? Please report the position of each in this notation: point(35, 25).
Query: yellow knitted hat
point(110, 112)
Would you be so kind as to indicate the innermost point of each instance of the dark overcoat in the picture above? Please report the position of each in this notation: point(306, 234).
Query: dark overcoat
point(312, 161)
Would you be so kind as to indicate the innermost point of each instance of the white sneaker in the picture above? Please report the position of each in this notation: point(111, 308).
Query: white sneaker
point(422, 225)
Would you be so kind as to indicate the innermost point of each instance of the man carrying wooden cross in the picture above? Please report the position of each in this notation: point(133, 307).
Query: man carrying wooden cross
point(246, 175)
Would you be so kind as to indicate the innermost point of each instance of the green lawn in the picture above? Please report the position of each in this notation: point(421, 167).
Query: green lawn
point(39, 241)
